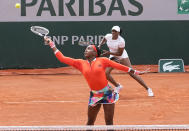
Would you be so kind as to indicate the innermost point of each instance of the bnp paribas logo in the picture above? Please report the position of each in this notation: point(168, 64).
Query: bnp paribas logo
point(183, 6)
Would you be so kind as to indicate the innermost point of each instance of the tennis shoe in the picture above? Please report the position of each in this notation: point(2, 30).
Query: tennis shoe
point(118, 88)
point(150, 92)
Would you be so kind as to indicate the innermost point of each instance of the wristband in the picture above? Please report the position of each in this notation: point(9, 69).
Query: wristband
point(137, 72)
point(56, 51)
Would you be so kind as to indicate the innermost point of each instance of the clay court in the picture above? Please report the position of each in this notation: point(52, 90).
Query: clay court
point(45, 97)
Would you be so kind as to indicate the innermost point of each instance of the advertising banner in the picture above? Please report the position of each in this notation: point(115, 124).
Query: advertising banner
point(94, 10)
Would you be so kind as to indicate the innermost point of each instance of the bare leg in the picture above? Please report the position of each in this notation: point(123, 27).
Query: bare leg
point(109, 77)
point(109, 113)
point(126, 61)
point(92, 113)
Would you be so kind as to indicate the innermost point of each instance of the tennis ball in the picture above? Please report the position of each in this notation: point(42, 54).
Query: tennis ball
point(17, 5)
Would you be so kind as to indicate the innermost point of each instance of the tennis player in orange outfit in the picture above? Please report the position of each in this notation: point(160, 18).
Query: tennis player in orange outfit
point(93, 69)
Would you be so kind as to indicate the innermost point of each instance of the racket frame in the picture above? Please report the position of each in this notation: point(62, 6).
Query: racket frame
point(38, 33)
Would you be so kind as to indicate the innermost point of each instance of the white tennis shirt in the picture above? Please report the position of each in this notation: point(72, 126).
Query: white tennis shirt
point(114, 45)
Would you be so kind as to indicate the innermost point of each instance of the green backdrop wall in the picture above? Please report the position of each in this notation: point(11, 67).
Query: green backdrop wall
point(146, 41)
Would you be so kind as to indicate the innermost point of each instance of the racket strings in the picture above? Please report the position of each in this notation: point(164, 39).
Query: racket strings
point(39, 30)
point(42, 31)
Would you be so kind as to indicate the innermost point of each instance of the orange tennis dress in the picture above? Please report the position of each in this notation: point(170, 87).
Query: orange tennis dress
point(93, 72)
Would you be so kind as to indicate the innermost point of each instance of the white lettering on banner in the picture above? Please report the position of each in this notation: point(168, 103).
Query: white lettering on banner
point(61, 40)
point(81, 39)
point(74, 39)
point(64, 39)
point(94, 10)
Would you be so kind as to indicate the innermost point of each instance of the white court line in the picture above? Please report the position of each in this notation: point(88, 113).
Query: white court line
point(50, 101)
point(39, 101)
point(29, 102)
point(98, 127)
point(71, 101)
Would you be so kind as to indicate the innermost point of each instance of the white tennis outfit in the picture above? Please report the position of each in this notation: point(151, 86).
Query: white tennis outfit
point(114, 45)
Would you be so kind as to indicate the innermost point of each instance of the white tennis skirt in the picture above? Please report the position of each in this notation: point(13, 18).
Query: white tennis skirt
point(124, 55)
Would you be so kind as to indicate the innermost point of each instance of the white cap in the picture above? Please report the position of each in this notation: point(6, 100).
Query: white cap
point(116, 28)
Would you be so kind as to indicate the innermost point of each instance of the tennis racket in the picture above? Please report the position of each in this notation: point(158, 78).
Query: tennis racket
point(40, 31)
point(85, 43)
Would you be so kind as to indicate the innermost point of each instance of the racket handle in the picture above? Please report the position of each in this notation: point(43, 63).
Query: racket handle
point(46, 43)
point(51, 44)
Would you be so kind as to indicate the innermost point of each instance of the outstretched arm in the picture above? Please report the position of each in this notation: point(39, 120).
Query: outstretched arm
point(60, 56)
point(110, 63)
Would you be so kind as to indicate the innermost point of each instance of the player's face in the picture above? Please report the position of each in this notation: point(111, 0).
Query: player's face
point(89, 51)
point(115, 33)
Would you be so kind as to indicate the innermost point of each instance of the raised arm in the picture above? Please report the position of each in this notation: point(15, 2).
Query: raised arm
point(63, 59)
point(102, 42)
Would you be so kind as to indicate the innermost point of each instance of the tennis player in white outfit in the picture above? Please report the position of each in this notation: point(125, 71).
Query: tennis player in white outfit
point(117, 52)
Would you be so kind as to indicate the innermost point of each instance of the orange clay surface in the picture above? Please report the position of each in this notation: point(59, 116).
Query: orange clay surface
point(56, 97)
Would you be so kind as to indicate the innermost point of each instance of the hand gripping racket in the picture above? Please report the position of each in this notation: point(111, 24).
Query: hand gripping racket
point(40, 31)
